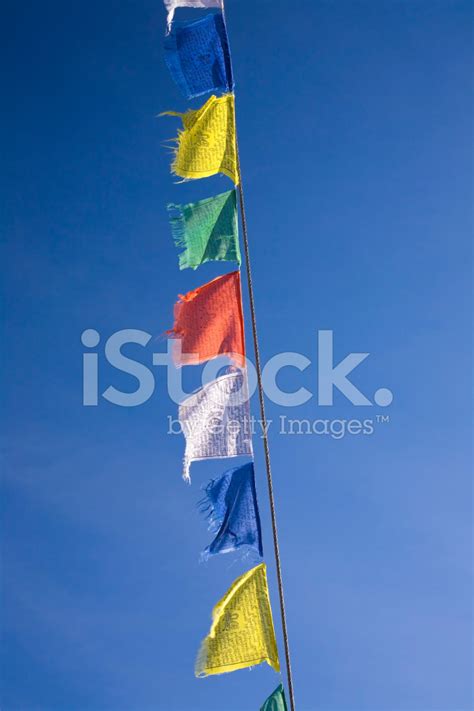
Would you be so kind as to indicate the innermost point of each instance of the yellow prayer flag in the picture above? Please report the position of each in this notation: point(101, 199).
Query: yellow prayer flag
point(242, 633)
point(207, 145)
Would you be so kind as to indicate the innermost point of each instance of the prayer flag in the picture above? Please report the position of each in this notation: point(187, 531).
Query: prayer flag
point(198, 57)
point(276, 702)
point(207, 145)
point(207, 230)
point(242, 633)
point(209, 322)
point(232, 510)
point(171, 6)
point(215, 420)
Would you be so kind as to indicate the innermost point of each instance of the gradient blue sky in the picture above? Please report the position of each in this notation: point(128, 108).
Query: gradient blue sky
point(355, 124)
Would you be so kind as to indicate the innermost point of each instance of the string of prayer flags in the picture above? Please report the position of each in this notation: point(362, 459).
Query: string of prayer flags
point(207, 230)
point(215, 420)
point(276, 702)
point(208, 322)
point(171, 6)
point(207, 145)
point(242, 633)
point(231, 506)
point(198, 57)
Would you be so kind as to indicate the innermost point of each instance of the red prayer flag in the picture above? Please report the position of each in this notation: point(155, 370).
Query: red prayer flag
point(209, 322)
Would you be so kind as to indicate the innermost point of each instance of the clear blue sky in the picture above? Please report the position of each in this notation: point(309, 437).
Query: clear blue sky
point(355, 124)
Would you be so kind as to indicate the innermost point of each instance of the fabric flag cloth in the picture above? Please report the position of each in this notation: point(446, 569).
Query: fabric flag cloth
point(208, 322)
point(171, 6)
point(207, 230)
point(242, 633)
point(198, 56)
point(276, 702)
point(215, 420)
point(232, 510)
point(207, 145)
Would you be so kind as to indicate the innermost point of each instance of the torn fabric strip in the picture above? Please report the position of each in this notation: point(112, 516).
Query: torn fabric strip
point(208, 322)
point(232, 510)
point(242, 633)
point(207, 230)
point(198, 57)
point(207, 145)
point(171, 6)
point(276, 702)
point(215, 420)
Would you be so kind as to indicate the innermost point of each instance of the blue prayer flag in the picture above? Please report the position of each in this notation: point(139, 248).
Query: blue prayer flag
point(198, 56)
point(232, 510)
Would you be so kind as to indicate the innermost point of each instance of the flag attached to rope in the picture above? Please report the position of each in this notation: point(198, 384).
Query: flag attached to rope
point(276, 702)
point(242, 633)
point(206, 230)
point(215, 420)
point(232, 510)
point(198, 57)
point(171, 6)
point(208, 322)
point(207, 145)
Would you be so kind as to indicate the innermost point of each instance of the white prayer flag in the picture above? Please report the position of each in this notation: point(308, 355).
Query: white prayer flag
point(215, 420)
point(171, 6)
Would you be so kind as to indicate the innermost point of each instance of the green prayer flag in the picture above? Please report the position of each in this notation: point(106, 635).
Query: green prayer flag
point(206, 230)
point(276, 702)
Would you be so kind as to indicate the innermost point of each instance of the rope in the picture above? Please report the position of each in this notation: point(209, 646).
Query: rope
point(264, 420)
point(265, 442)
